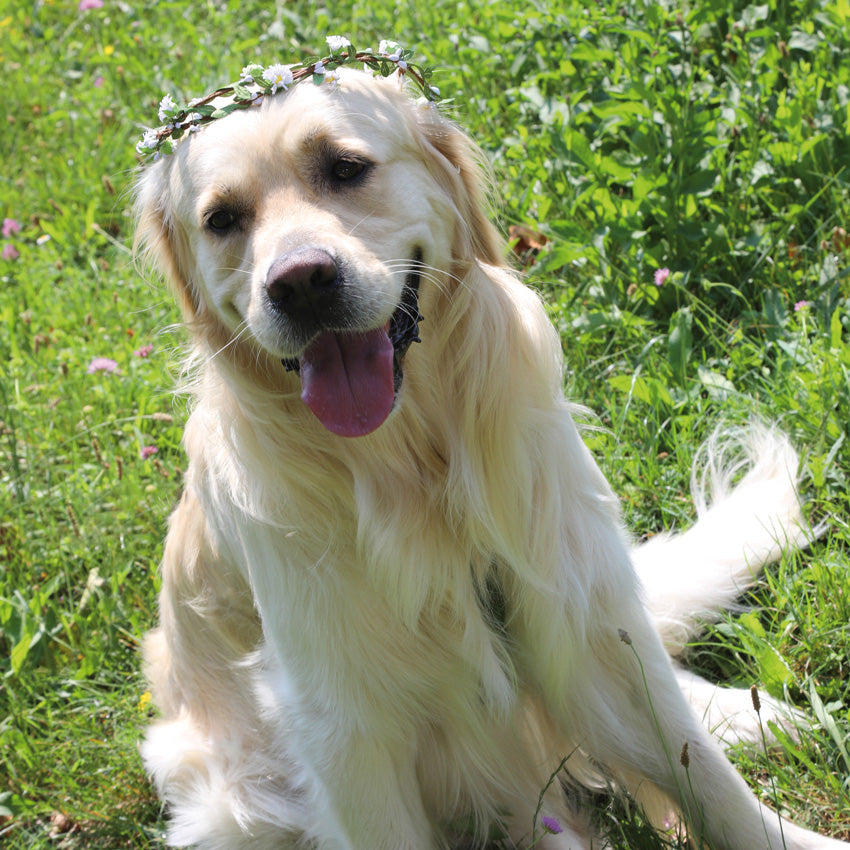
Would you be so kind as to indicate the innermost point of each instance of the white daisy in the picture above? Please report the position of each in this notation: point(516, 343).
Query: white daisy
point(249, 72)
point(166, 108)
point(279, 76)
point(147, 143)
point(337, 42)
point(391, 49)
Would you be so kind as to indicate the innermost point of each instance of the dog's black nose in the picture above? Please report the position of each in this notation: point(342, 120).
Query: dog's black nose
point(302, 280)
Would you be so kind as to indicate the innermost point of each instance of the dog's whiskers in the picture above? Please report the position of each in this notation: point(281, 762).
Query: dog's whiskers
point(354, 227)
point(246, 272)
point(439, 277)
point(234, 339)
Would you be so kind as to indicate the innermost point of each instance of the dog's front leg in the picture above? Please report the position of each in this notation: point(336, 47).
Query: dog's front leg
point(613, 693)
point(336, 684)
point(367, 794)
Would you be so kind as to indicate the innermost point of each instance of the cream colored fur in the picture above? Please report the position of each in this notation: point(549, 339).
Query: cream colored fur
point(326, 670)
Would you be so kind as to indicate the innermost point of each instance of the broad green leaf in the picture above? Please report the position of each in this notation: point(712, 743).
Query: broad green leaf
point(835, 330)
point(699, 183)
point(574, 145)
point(752, 624)
point(224, 111)
point(20, 651)
point(718, 386)
point(680, 343)
point(775, 312)
point(648, 390)
point(5, 811)
point(828, 722)
point(773, 670)
point(803, 41)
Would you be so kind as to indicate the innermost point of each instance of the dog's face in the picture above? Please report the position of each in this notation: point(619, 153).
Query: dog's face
point(305, 227)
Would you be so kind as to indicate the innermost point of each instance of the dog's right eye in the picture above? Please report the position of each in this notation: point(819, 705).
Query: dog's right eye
point(347, 169)
point(221, 221)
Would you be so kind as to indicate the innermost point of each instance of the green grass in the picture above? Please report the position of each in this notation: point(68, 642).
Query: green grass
point(711, 141)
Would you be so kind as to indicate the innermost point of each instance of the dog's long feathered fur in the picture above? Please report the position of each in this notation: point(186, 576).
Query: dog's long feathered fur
point(364, 639)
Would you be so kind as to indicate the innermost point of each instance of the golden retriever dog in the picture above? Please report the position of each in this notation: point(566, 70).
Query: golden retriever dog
point(397, 594)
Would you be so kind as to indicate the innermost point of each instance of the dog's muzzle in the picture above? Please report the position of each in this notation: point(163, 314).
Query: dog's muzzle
point(349, 379)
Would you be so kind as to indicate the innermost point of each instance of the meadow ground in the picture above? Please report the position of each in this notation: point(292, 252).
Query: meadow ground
point(683, 177)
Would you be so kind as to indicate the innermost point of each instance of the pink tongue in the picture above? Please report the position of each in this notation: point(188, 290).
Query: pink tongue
point(347, 380)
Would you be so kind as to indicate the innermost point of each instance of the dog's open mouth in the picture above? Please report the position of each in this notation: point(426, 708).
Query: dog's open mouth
point(350, 379)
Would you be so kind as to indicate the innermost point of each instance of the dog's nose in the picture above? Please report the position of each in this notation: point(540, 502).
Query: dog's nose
point(301, 280)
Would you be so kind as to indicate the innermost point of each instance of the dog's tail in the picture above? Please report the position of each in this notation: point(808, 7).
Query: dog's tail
point(690, 578)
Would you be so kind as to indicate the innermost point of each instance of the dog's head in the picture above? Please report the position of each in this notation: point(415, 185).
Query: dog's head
point(309, 233)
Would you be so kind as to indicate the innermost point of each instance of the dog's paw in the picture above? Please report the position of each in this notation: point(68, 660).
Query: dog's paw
point(731, 716)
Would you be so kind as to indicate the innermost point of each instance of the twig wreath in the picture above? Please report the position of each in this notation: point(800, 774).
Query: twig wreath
point(257, 82)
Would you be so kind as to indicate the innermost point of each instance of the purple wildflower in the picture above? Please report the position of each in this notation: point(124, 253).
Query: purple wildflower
point(661, 276)
point(148, 451)
point(10, 226)
point(102, 364)
point(144, 351)
point(10, 252)
point(800, 305)
point(90, 4)
point(551, 825)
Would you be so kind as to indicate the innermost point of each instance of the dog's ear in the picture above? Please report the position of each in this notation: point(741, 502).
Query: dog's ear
point(460, 167)
point(157, 242)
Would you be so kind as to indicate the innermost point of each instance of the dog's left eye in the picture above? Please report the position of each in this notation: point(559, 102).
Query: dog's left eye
point(221, 221)
point(346, 169)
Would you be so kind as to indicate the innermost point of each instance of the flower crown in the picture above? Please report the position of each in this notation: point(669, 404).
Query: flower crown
point(257, 82)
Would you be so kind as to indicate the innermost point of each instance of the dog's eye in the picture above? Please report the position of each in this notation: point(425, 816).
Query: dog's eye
point(346, 169)
point(221, 221)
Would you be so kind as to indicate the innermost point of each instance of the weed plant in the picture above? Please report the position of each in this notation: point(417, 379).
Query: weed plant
point(684, 172)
